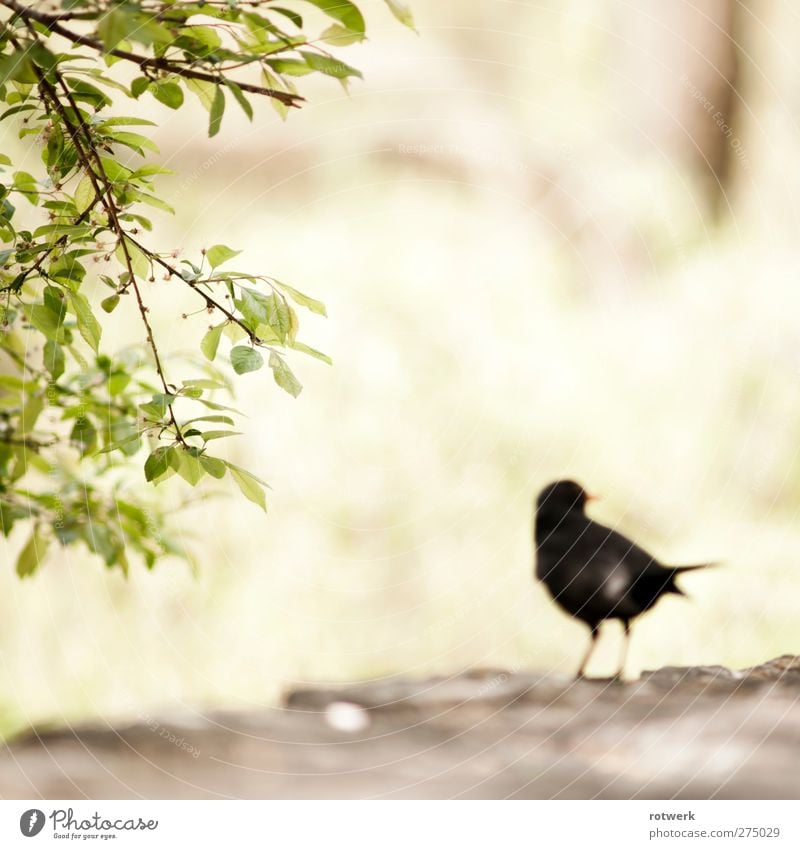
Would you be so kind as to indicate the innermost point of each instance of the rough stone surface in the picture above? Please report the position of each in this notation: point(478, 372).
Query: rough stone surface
point(676, 733)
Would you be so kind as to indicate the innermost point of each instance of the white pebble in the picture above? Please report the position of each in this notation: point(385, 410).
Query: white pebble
point(346, 716)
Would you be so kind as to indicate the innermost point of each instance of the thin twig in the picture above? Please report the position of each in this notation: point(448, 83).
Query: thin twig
point(107, 199)
point(144, 62)
point(172, 271)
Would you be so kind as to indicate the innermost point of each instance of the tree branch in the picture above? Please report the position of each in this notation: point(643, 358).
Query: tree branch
point(102, 189)
point(51, 21)
point(175, 272)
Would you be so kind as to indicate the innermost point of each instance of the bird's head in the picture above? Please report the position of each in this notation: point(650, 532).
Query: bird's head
point(558, 499)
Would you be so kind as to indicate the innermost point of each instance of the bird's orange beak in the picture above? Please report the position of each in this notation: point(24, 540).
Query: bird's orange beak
point(591, 496)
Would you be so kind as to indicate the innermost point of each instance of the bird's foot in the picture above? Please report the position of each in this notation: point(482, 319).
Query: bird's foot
point(592, 679)
point(614, 679)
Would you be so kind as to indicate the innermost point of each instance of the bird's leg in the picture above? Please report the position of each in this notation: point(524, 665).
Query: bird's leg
point(595, 634)
point(625, 643)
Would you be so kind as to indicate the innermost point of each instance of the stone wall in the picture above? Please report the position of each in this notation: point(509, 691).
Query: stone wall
point(675, 733)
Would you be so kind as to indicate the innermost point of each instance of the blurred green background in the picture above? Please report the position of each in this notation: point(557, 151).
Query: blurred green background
point(554, 239)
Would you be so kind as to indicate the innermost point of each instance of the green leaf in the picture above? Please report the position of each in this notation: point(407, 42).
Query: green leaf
point(157, 407)
point(31, 410)
point(51, 155)
point(146, 223)
point(88, 325)
point(153, 412)
point(46, 321)
point(129, 121)
point(87, 93)
point(400, 9)
point(170, 94)
point(220, 419)
point(79, 231)
point(118, 382)
point(290, 67)
point(245, 359)
point(272, 82)
point(204, 383)
point(216, 111)
point(288, 13)
point(84, 195)
point(116, 25)
point(241, 99)
point(330, 66)
point(283, 375)
point(213, 405)
point(42, 57)
point(216, 468)
point(343, 11)
point(32, 555)
point(26, 184)
point(109, 304)
point(210, 341)
point(152, 170)
point(139, 86)
point(53, 299)
point(78, 357)
point(17, 66)
point(120, 443)
point(102, 540)
point(9, 514)
point(10, 381)
point(312, 352)
point(54, 359)
point(67, 270)
point(139, 261)
point(135, 141)
point(208, 435)
point(207, 36)
point(254, 306)
point(158, 463)
point(340, 36)
point(204, 91)
point(84, 435)
point(115, 172)
point(152, 200)
point(249, 485)
point(281, 317)
point(218, 254)
point(189, 466)
point(249, 474)
point(303, 300)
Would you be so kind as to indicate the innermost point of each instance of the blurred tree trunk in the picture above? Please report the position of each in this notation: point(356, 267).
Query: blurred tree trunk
point(660, 171)
point(678, 67)
point(771, 131)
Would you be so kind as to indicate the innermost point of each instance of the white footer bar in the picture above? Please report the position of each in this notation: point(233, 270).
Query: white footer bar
point(402, 824)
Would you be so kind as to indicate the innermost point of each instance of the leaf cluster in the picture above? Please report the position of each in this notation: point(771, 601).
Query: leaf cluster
point(78, 245)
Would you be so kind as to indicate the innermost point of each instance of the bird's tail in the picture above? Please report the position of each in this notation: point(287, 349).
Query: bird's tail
point(679, 570)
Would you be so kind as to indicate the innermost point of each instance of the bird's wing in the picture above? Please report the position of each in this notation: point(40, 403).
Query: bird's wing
point(600, 568)
point(612, 547)
point(632, 579)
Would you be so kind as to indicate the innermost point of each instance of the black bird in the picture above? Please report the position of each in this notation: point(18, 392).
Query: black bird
point(593, 572)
